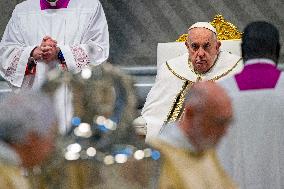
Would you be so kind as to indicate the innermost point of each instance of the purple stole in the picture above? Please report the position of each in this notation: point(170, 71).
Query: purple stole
point(258, 76)
point(60, 4)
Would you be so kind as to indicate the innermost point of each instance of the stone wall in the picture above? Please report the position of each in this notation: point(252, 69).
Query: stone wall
point(136, 26)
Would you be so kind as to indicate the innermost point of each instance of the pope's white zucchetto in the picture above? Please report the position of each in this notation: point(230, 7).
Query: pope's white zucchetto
point(206, 25)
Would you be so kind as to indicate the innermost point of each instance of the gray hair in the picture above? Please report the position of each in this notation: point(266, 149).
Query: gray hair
point(23, 113)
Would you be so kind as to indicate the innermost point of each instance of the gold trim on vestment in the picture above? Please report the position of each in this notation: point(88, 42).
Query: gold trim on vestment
point(226, 73)
point(175, 110)
point(177, 75)
point(177, 106)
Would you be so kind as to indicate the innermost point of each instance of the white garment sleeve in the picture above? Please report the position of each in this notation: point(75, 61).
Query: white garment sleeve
point(94, 47)
point(14, 53)
point(155, 108)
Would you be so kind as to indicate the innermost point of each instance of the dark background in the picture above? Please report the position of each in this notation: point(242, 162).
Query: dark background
point(136, 26)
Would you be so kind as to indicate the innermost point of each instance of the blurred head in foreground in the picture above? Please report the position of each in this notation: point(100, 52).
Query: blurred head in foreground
point(28, 125)
point(207, 114)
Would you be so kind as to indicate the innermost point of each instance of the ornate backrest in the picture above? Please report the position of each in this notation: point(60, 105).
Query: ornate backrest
point(228, 34)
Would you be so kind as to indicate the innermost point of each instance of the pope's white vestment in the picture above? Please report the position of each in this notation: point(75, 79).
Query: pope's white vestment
point(80, 30)
point(174, 78)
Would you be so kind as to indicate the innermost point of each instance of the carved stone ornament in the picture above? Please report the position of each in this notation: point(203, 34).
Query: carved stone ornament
point(225, 30)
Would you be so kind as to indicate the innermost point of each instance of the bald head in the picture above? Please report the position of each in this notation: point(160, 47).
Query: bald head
point(208, 95)
point(207, 114)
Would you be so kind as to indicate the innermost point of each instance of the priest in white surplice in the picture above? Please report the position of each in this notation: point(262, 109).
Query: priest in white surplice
point(204, 61)
point(43, 34)
point(252, 152)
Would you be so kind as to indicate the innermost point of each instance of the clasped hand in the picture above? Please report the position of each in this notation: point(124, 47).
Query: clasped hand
point(47, 51)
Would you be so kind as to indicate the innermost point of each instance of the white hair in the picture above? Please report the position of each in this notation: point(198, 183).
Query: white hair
point(23, 113)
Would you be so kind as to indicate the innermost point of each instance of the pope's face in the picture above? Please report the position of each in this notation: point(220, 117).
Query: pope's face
point(203, 48)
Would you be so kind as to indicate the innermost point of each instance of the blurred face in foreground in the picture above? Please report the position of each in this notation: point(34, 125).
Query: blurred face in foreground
point(35, 149)
point(203, 48)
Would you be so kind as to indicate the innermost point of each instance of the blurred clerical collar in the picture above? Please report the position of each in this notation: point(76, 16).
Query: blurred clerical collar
point(259, 60)
point(59, 4)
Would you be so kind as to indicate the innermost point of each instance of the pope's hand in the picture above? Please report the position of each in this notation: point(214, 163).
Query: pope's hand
point(37, 53)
